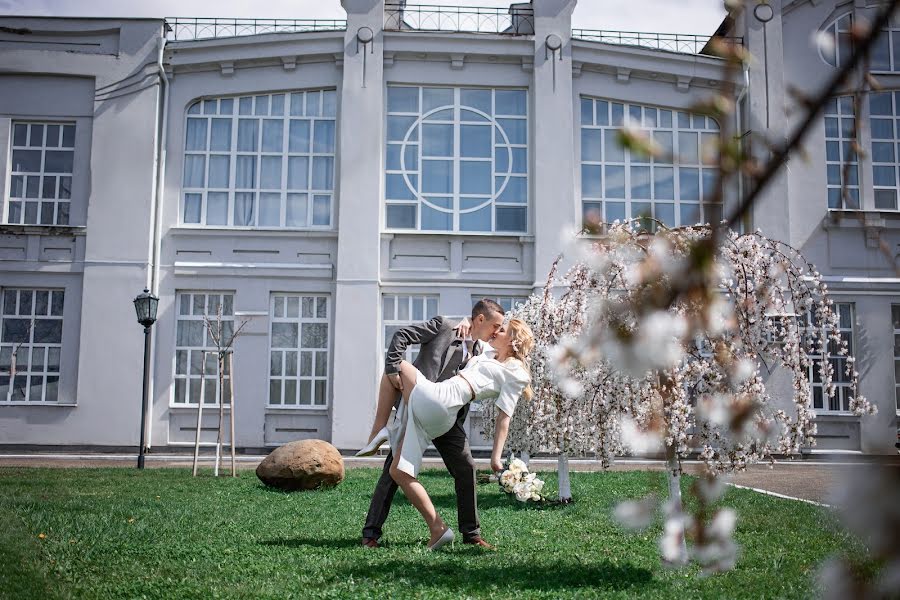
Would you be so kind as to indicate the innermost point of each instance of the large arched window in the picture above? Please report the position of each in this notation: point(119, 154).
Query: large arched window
point(260, 161)
point(457, 159)
point(841, 44)
point(885, 54)
point(676, 188)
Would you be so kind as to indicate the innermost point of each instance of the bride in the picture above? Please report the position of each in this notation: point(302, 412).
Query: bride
point(431, 410)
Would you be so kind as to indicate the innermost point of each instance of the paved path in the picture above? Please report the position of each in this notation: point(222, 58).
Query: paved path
point(805, 479)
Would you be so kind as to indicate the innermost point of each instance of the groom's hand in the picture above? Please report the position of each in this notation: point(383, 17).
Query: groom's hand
point(395, 380)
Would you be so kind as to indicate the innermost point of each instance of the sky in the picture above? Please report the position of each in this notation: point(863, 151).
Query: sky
point(666, 16)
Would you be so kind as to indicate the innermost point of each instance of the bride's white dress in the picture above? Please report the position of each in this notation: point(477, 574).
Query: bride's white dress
point(433, 407)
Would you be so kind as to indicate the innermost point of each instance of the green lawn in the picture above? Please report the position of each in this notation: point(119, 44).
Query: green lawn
point(118, 533)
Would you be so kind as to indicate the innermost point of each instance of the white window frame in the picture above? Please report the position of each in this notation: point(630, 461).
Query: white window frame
point(209, 368)
point(318, 379)
point(843, 388)
point(316, 107)
point(393, 315)
point(414, 177)
point(608, 117)
point(25, 369)
point(507, 303)
point(839, 114)
point(60, 200)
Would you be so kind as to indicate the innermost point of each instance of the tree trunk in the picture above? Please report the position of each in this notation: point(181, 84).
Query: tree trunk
point(220, 363)
point(565, 486)
point(673, 477)
point(525, 458)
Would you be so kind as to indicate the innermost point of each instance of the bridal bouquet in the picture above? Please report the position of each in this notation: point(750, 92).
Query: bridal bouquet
point(518, 481)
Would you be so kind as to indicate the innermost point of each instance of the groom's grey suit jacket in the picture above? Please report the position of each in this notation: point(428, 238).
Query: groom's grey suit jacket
point(436, 339)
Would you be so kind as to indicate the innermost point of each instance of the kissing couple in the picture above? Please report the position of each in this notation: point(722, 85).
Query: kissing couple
point(451, 370)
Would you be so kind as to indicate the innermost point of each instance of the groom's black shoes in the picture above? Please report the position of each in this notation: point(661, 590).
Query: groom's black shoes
point(477, 541)
point(370, 542)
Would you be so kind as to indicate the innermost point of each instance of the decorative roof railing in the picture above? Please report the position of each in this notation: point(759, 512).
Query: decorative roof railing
point(201, 28)
point(670, 42)
point(518, 19)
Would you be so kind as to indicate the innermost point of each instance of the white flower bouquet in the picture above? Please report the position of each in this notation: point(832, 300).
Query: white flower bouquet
point(516, 480)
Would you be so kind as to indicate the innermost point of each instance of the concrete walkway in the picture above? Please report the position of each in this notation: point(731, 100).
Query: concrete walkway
point(809, 480)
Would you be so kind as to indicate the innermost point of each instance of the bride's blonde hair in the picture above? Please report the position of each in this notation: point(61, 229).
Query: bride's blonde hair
point(521, 342)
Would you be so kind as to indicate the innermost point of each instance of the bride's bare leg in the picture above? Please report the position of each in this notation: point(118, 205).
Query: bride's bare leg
point(411, 487)
point(387, 397)
point(419, 498)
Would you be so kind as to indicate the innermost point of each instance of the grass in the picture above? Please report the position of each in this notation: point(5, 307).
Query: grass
point(117, 533)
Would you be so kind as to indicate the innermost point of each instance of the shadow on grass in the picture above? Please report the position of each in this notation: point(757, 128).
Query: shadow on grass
point(448, 502)
point(313, 543)
point(598, 576)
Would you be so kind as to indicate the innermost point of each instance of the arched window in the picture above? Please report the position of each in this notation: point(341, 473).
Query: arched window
point(265, 160)
point(677, 188)
point(838, 32)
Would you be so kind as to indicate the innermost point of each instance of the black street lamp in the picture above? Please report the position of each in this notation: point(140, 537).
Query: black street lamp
point(145, 306)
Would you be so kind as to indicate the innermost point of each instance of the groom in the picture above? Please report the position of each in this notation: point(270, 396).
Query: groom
point(441, 354)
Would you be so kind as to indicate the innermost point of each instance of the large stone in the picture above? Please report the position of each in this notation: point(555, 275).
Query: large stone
point(302, 465)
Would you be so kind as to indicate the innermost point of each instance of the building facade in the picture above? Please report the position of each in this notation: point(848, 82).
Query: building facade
point(315, 185)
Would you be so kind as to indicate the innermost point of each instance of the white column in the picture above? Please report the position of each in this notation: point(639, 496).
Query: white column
point(357, 302)
point(556, 209)
point(766, 102)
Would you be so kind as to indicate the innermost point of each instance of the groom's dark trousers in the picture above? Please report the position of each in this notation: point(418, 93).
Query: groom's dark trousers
point(440, 357)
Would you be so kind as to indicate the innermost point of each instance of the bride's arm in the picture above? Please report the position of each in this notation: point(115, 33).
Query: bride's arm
point(500, 432)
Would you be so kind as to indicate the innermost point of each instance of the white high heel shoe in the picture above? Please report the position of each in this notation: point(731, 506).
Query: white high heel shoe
point(445, 539)
point(373, 446)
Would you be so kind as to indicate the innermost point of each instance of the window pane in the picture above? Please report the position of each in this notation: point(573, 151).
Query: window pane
point(196, 135)
point(321, 210)
point(270, 173)
point(217, 208)
point(28, 161)
point(219, 166)
point(475, 177)
point(269, 210)
point(511, 219)
point(475, 141)
point(514, 130)
point(296, 210)
point(58, 161)
point(403, 99)
point(192, 203)
point(435, 220)
point(323, 173)
point(248, 134)
point(299, 136)
point(298, 173)
point(243, 208)
point(591, 181)
point(272, 135)
point(401, 216)
point(592, 144)
point(437, 177)
point(324, 136)
point(510, 102)
point(479, 220)
point(245, 172)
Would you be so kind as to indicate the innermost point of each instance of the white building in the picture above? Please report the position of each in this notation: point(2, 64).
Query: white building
point(329, 181)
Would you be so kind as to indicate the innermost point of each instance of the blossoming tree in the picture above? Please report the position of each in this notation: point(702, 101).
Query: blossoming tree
point(618, 368)
point(560, 419)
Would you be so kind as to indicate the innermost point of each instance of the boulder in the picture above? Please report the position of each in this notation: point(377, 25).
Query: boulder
point(302, 465)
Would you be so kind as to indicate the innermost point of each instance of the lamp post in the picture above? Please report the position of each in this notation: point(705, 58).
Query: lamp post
point(145, 306)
